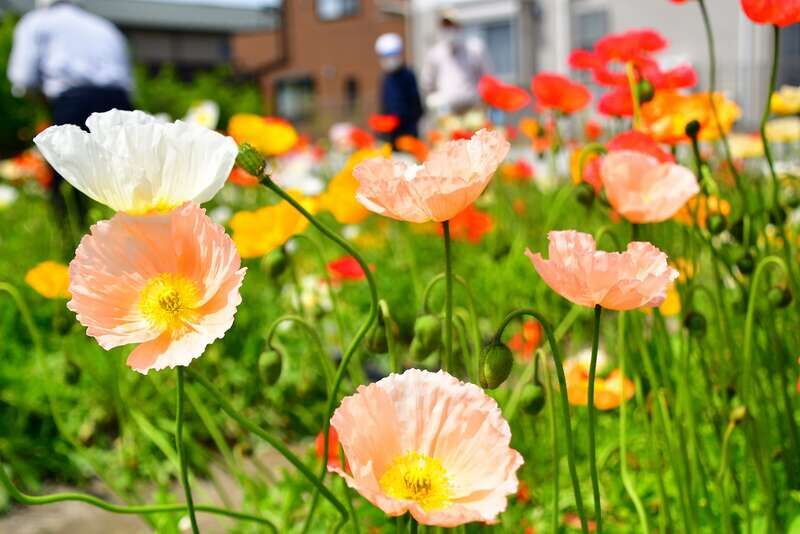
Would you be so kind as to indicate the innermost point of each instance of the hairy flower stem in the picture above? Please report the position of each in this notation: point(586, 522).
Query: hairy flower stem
point(447, 359)
point(354, 343)
point(187, 490)
point(562, 382)
point(592, 423)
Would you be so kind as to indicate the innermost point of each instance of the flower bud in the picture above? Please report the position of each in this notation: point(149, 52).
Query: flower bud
point(716, 223)
point(250, 160)
point(695, 323)
point(270, 365)
point(376, 341)
point(645, 90)
point(495, 364)
point(428, 334)
point(746, 263)
point(738, 414)
point(584, 193)
point(532, 398)
point(779, 297)
point(692, 129)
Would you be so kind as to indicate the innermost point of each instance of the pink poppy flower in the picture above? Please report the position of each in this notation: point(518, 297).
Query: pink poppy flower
point(453, 176)
point(428, 444)
point(620, 281)
point(644, 190)
point(169, 282)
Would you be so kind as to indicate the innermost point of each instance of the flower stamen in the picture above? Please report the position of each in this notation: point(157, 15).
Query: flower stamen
point(419, 478)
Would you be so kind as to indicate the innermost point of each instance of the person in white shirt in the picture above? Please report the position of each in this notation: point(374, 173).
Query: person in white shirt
point(78, 60)
point(452, 69)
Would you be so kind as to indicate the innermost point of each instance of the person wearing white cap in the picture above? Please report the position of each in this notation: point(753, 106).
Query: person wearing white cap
point(399, 92)
point(452, 69)
point(78, 60)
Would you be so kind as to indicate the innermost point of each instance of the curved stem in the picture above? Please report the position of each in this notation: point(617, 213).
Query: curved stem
point(773, 78)
point(274, 442)
point(592, 423)
point(37, 500)
point(630, 488)
point(634, 95)
point(448, 300)
point(187, 490)
point(324, 361)
point(357, 338)
point(551, 413)
point(562, 382)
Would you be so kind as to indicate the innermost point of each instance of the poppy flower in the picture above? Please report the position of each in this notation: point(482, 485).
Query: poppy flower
point(132, 162)
point(428, 444)
point(412, 145)
point(525, 342)
point(680, 77)
point(783, 130)
point(585, 60)
point(666, 116)
point(242, 178)
point(502, 96)
point(261, 231)
point(334, 462)
point(616, 103)
point(518, 171)
point(786, 101)
point(461, 134)
point(777, 12)
point(554, 91)
point(340, 197)
point(346, 268)
point(469, 225)
point(361, 139)
point(620, 281)
point(529, 127)
point(272, 136)
point(50, 279)
point(28, 165)
point(639, 142)
point(168, 282)
point(698, 208)
point(590, 172)
point(454, 175)
point(384, 123)
point(592, 130)
point(644, 190)
point(629, 45)
point(609, 391)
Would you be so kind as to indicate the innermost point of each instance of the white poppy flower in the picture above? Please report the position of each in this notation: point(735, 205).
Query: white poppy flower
point(131, 162)
point(205, 113)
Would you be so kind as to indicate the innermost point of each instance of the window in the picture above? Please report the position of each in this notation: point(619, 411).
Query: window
point(351, 94)
point(790, 56)
point(588, 28)
point(499, 38)
point(294, 98)
point(336, 9)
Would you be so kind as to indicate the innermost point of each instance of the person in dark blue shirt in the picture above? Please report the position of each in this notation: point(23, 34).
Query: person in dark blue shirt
point(399, 91)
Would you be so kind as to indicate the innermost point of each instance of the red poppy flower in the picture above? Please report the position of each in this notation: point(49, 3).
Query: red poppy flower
point(461, 134)
point(241, 177)
point(523, 492)
point(469, 225)
point(584, 59)
point(502, 96)
point(593, 130)
point(777, 12)
point(630, 45)
point(333, 448)
point(361, 138)
point(639, 142)
point(345, 268)
point(519, 170)
point(680, 77)
point(525, 343)
point(554, 91)
point(616, 103)
point(384, 123)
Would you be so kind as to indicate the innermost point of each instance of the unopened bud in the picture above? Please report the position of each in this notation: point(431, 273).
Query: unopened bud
point(692, 129)
point(584, 193)
point(738, 414)
point(428, 334)
point(779, 297)
point(270, 365)
point(746, 263)
point(376, 342)
point(716, 223)
point(250, 160)
point(645, 90)
point(276, 262)
point(495, 364)
point(532, 398)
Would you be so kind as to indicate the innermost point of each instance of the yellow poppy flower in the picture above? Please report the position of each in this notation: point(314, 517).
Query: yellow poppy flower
point(786, 101)
point(269, 135)
point(783, 130)
point(699, 208)
point(259, 232)
point(666, 116)
point(340, 197)
point(50, 279)
point(745, 146)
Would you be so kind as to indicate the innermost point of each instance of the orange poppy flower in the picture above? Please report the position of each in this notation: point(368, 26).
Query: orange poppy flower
point(469, 225)
point(518, 171)
point(502, 96)
point(699, 208)
point(413, 146)
point(777, 12)
point(529, 127)
point(666, 116)
point(334, 462)
point(525, 342)
point(241, 177)
point(609, 391)
point(384, 123)
point(554, 91)
point(361, 138)
point(616, 103)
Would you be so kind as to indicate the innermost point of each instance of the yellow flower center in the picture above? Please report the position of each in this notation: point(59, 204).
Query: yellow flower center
point(419, 478)
point(169, 300)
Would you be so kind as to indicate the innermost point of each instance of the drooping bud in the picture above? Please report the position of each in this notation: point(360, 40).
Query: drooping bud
point(270, 365)
point(428, 333)
point(695, 323)
point(532, 398)
point(276, 262)
point(716, 223)
point(645, 90)
point(376, 341)
point(584, 193)
point(496, 361)
point(250, 160)
point(692, 129)
point(779, 297)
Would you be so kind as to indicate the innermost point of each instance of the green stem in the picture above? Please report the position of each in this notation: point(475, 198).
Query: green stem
point(386, 318)
point(324, 361)
point(277, 444)
point(187, 490)
point(37, 500)
point(357, 338)
point(634, 96)
point(413, 526)
point(592, 423)
point(562, 382)
point(448, 300)
point(551, 413)
point(773, 78)
point(630, 488)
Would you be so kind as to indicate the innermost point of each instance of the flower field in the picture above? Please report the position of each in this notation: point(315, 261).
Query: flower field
point(558, 313)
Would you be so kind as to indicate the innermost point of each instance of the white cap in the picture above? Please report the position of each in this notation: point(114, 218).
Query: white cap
point(389, 44)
